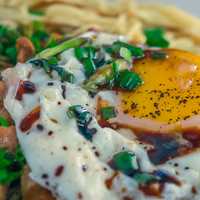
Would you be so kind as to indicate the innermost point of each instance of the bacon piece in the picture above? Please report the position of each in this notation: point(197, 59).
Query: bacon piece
point(25, 87)
point(8, 138)
point(30, 119)
point(31, 190)
point(3, 190)
point(25, 49)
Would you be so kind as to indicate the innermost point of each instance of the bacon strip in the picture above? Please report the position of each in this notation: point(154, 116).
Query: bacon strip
point(25, 49)
point(30, 119)
point(8, 138)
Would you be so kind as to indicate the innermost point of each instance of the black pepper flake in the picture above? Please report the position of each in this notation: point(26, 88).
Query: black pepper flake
point(105, 169)
point(63, 87)
point(133, 105)
point(97, 153)
point(50, 133)
point(186, 168)
point(84, 168)
point(175, 164)
point(40, 127)
point(80, 196)
point(50, 83)
point(79, 149)
point(65, 148)
point(45, 176)
point(47, 183)
point(59, 170)
point(155, 105)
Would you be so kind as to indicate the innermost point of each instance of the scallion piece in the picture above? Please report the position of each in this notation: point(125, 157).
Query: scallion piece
point(128, 80)
point(4, 122)
point(125, 162)
point(105, 75)
point(89, 67)
point(11, 165)
point(108, 112)
point(155, 37)
point(73, 43)
point(144, 178)
point(126, 54)
point(136, 52)
point(83, 119)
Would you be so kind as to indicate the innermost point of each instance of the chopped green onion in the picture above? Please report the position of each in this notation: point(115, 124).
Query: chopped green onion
point(112, 78)
point(135, 51)
point(89, 67)
point(83, 118)
point(52, 64)
point(11, 165)
point(4, 122)
point(125, 162)
point(82, 53)
point(108, 112)
point(126, 54)
point(155, 37)
point(53, 61)
point(105, 75)
point(11, 52)
point(144, 178)
point(128, 80)
point(158, 55)
point(73, 43)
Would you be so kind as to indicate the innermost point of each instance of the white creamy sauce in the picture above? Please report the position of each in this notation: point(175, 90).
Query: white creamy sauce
point(67, 164)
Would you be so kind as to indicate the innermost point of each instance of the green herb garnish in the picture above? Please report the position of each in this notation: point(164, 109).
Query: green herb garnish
point(108, 112)
point(105, 76)
point(126, 54)
point(40, 38)
point(128, 80)
point(8, 38)
point(155, 37)
point(11, 165)
point(89, 67)
point(144, 178)
point(125, 162)
point(4, 122)
point(91, 58)
point(83, 118)
point(82, 53)
point(52, 65)
point(68, 44)
point(114, 49)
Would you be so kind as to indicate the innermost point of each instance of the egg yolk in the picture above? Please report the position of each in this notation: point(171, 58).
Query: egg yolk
point(171, 89)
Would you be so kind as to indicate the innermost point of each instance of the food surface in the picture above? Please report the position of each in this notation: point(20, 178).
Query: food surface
point(69, 106)
point(98, 100)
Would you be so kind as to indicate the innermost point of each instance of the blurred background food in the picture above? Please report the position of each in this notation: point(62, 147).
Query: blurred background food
point(125, 17)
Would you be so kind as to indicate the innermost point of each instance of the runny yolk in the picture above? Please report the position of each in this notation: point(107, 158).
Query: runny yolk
point(171, 89)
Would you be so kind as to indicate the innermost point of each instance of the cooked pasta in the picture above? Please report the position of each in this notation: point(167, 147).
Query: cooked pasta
point(124, 17)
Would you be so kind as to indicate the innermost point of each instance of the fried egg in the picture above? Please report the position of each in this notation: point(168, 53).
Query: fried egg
point(72, 166)
point(170, 92)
